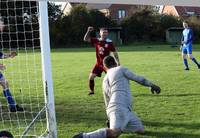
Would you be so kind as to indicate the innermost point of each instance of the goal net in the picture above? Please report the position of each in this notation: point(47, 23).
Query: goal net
point(26, 102)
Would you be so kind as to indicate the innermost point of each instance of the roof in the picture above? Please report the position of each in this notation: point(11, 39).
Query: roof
point(187, 11)
point(97, 6)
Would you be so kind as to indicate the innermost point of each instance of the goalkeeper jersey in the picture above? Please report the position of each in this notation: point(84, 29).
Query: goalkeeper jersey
point(116, 88)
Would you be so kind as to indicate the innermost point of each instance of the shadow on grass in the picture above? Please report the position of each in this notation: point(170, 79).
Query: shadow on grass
point(176, 125)
point(169, 135)
point(167, 95)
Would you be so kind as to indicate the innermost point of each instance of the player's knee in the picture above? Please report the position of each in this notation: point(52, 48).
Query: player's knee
point(191, 57)
point(113, 133)
point(184, 56)
point(4, 83)
point(92, 76)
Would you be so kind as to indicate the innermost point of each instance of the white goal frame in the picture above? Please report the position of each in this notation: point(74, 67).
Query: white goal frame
point(46, 69)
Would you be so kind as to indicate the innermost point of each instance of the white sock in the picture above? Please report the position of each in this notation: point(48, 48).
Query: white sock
point(100, 133)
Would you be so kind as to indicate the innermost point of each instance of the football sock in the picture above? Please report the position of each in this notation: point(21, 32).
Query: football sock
point(91, 85)
point(185, 63)
point(9, 98)
point(100, 133)
point(195, 61)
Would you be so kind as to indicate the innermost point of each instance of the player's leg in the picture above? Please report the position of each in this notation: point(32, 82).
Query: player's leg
point(96, 72)
point(194, 60)
point(117, 121)
point(92, 76)
point(192, 57)
point(100, 133)
point(6, 91)
point(184, 56)
point(134, 125)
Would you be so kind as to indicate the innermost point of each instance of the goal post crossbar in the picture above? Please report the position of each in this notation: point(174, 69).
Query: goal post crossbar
point(143, 2)
point(138, 2)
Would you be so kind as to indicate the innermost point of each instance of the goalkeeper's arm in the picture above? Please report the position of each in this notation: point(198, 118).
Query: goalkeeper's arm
point(143, 81)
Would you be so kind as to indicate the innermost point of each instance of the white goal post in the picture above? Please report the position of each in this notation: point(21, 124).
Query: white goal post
point(46, 67)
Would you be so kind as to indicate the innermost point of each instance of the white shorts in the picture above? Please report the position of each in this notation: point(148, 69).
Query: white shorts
point(125, 120)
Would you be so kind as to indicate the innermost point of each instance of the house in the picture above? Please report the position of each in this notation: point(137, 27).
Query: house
point(115, 11)
point(181, 11)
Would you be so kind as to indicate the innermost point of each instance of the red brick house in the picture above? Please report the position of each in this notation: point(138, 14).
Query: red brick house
point(115, 11)
point(181, 11)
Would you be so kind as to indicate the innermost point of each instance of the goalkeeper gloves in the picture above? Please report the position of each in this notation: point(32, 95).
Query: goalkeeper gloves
point(155, 89)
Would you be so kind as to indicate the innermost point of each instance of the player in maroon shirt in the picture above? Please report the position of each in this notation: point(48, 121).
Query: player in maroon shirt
point(104, 47)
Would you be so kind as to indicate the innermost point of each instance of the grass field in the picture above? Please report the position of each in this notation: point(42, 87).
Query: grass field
point(172, 114)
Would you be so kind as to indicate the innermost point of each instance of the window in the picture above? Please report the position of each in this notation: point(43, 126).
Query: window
point(190, 13)
point(121, 14)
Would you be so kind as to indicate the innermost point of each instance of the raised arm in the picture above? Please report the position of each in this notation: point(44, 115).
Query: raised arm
point(87, 34)
point(141, 80)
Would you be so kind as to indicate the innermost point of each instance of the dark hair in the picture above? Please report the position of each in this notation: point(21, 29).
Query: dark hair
point(109, 61)
point(6, 134)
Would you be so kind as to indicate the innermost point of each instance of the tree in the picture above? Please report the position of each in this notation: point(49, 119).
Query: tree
point(53, 11)
point(17, 30)
point(98, 19)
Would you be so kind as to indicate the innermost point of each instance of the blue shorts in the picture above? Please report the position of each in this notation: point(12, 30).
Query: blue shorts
point(187, 49)
point(1, 75)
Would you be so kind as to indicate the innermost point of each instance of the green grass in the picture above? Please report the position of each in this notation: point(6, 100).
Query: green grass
point(172, 114)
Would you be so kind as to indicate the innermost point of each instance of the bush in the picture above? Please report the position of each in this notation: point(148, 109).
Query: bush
point(71, 29)
point(194, 23)
point(139, 27)
point(147, 26)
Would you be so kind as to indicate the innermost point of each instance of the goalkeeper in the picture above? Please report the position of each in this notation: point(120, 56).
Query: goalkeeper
point(118, 101)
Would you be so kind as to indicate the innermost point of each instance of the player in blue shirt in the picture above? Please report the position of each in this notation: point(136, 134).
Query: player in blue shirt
point(186, 41)
point(4, 83)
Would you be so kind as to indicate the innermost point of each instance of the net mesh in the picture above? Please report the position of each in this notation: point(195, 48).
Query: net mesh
point(19, 31)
